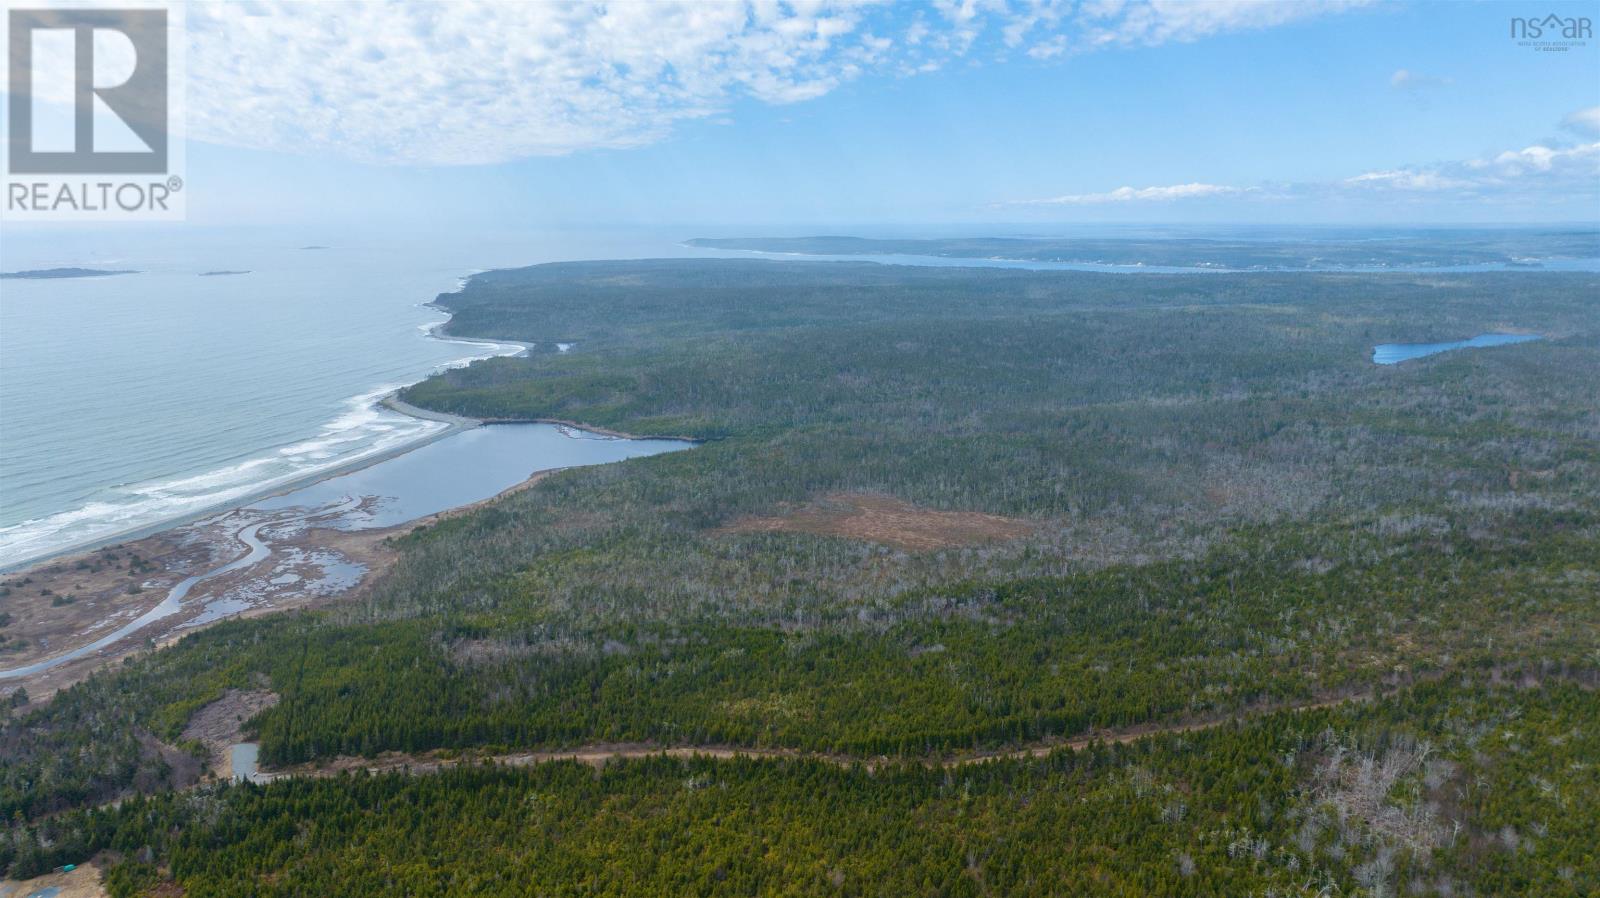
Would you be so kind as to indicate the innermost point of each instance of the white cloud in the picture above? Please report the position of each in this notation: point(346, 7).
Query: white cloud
point(480, 82)
point(1405, 79)
point(1535, 168)
point(1583, 121)
point(1049, 49)
point(1162, 21)
point(475, 83)
point(1407, 179)
point(1136, 194)
point(1544, 159)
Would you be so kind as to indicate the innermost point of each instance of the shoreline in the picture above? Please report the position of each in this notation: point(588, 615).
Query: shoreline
point(454, 424)
point(592, 428)
point(391, 401)
point(1579, 264)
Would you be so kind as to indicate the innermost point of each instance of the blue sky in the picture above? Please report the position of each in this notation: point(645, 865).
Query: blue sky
point(816, 114)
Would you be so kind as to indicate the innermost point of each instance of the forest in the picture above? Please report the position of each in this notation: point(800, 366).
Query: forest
point(1465, 787)
point(937, 512)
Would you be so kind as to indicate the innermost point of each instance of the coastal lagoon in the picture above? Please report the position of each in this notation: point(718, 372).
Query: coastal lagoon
point(1395, 353)
point(457, 470)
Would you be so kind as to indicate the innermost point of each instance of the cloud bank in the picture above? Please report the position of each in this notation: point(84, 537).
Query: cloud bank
point(1137, 194)
point(1553, 169)
point(477, 83)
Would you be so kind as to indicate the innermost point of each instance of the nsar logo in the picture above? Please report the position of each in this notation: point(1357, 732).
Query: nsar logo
point(1553, 32)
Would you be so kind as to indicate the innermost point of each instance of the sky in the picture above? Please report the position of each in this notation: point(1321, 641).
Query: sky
point(859, 116)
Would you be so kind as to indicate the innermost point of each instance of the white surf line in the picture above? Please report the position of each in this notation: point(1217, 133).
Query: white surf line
point(36, 541)
point(496, 348)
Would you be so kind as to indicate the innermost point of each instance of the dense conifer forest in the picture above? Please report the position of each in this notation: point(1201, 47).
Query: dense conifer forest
point(937, 513)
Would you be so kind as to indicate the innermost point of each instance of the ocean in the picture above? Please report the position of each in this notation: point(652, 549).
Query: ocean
point(140, 399)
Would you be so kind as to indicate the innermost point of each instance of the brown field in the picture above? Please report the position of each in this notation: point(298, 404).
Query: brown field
point(887, 520)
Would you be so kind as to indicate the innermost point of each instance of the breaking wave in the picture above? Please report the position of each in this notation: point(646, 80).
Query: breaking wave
point(362, 430)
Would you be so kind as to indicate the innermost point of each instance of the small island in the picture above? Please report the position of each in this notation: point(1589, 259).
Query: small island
point(314, 246)
point(45, 274)
point(216, 274)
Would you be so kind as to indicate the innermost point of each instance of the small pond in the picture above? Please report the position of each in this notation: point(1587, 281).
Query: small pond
point(242, 758)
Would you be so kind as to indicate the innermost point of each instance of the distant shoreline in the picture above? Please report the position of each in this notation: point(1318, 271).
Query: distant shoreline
point(62, 274)
point(1123, 255)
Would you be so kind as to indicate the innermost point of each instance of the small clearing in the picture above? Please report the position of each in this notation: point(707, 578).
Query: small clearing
point(221, 723)
point(887, 520)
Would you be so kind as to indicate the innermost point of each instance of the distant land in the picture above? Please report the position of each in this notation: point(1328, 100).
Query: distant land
point(1408, 249)
point(314, 246)
point(45, 274)
point(213, 274)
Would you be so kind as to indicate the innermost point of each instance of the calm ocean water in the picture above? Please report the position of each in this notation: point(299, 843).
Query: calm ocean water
point(132, 400)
